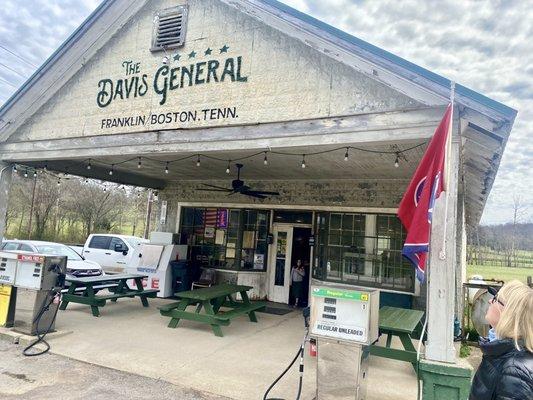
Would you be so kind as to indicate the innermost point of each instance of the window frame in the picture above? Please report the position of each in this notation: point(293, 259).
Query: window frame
point(332, 248)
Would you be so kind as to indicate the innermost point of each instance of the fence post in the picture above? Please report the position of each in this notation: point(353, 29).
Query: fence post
point(530, 281)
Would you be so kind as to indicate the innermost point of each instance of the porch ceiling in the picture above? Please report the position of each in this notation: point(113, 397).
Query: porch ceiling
point(367, 163)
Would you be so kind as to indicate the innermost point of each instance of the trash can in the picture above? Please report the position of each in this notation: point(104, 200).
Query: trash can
point(181, 279)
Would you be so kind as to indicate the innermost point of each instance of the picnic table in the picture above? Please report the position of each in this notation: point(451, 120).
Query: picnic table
point(399, 322)
point(211, 299)
point(83, 290)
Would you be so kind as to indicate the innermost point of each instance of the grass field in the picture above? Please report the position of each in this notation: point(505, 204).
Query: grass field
point(503, 273)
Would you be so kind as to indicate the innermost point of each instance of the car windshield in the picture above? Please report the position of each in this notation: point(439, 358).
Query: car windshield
point(58, 250)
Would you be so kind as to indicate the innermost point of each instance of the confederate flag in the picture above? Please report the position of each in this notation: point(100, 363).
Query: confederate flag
point(416, 207)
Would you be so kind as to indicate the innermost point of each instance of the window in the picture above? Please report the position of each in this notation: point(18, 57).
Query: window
point(362, 249)
point(25, 247)
point(169, 28)
point(10, 246)
point(117, 241)
point(227, 238)
point(100, 242)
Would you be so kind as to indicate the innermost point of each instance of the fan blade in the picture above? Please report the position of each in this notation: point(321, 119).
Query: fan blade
point(216, 187)
point(253, 194)
point(261, 192)
point(215, 190)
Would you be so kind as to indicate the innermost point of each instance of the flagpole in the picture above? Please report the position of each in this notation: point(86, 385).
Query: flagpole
point(442, 253)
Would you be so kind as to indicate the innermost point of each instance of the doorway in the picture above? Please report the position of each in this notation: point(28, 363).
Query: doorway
point(290, 243)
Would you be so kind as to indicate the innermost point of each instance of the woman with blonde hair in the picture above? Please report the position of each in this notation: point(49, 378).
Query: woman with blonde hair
point(506, 370)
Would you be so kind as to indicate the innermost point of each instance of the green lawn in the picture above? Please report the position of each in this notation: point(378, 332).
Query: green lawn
point(503, 273)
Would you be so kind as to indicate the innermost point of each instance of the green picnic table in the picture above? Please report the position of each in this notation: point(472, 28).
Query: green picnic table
point(211, 299)
point(399, 322)
point(83, 290)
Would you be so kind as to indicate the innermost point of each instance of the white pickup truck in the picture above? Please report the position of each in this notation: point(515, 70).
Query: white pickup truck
point(113, 252)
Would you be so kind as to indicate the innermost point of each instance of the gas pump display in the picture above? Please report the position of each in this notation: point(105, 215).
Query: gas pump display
point(343, 314)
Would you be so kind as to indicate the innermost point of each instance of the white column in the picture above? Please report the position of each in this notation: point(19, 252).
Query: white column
point(5, 186)
point(441, 279)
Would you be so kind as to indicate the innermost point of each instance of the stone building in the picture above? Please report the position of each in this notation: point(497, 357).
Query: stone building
point(188, 89)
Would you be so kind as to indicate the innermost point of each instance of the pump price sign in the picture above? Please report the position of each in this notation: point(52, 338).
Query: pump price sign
point(340, 314)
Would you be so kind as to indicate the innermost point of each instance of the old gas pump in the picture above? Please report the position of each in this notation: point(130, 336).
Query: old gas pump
point(343, 322)
point(35, 281)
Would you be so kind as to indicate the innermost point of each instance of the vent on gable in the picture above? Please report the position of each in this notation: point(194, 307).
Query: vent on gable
point(169, 28)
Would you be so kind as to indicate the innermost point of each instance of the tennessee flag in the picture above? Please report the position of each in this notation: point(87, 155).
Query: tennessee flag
point(416, 207)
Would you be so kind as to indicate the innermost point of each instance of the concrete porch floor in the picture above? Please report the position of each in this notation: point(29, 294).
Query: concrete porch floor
point(240, 365)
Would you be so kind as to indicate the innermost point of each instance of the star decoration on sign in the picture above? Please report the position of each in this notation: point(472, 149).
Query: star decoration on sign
point(177, 57)
point(208, 51)
point(192, 54)
point(224, 49)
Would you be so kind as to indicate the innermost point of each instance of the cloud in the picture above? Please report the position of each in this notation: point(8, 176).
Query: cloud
point(483, 45)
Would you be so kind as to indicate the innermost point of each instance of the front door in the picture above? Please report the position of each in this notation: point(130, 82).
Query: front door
point(280, 264)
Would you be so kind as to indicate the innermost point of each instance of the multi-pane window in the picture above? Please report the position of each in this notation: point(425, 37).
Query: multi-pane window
point(362, 249)
point(227, 238)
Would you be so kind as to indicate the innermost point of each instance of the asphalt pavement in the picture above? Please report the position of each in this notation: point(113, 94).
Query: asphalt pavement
point(55, 377)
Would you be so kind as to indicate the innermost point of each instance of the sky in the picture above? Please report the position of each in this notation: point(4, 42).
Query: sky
point(484, 45)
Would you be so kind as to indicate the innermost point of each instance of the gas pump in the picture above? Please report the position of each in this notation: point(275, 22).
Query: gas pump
point(154, 260)
point(344, 322)
point(36, 281)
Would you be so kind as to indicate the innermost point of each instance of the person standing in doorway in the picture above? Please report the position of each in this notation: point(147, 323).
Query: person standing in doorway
point(297, 277)
point(506, 370)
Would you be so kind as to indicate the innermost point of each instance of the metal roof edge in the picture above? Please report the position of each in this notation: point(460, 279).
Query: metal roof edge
point(70, 41)
point(501, 108)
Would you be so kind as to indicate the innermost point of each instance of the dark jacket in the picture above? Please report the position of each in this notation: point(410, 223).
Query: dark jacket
point(505, 373)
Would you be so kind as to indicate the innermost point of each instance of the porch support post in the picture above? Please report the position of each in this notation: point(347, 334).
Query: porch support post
point(441, 283)
point(5, 185)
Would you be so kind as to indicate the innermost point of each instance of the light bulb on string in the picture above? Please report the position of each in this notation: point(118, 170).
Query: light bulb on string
point(66, 172)
point(346, 155)
point(45, 167)
point(166, 168)
point(139, 164)
point(228, 167)
point(198, 161)
point(303, 161)
point(397, 161)
point(34, 173)
point(105, 189)
point(112, 169)
point(265, 160)
point(89, 164)
point(26, 173)
point(15, 168)
point(58, 181)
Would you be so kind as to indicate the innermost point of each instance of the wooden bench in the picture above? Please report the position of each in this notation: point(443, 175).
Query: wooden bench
point(212, 299)
point(82, 290)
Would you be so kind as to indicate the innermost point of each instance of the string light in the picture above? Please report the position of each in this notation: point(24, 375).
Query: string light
point(112, 169)
point(105, 189)
point(198, 161)
point(139, 164)
point(15, 168)
point(397, 161)
point(34, 173)
point(58, 181)
point(66, 172)
point(228, 167)
point(346, 154)
point(303, 161)
point(26, 173)
point(89, 164)
point(265, 160)
point(166, 168)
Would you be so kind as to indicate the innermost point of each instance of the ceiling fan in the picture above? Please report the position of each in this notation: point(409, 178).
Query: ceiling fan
point(238, 186)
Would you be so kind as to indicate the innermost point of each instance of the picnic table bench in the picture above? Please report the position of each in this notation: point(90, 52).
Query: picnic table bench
point(399, 322)
point(83, 290)
point(211, 299)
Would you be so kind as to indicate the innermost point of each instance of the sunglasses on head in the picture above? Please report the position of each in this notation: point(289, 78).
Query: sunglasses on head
point(494, 292)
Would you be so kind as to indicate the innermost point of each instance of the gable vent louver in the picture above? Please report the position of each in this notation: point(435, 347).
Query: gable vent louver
point(169, 28)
